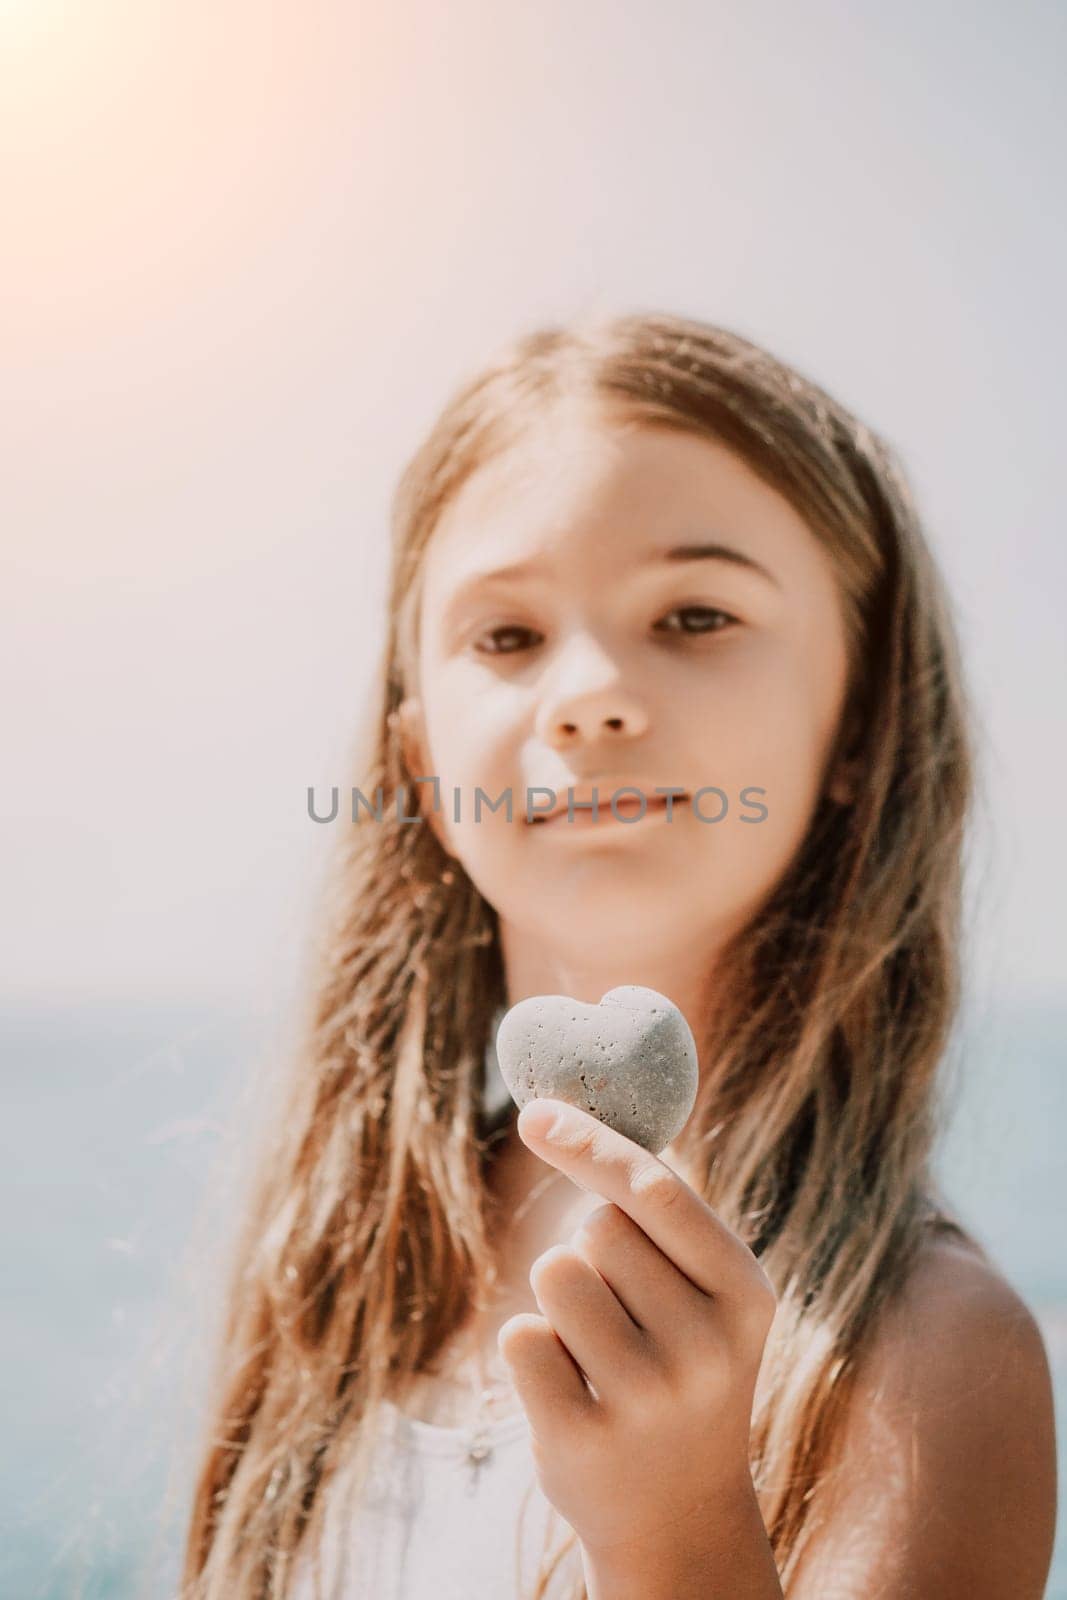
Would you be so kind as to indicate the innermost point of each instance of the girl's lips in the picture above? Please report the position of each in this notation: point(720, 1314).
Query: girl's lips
point(628, 807)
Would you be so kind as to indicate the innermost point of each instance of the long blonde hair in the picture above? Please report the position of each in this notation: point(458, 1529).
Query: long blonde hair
point(366, 1241)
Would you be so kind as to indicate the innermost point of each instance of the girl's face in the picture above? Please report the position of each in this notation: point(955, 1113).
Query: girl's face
point(674, 623)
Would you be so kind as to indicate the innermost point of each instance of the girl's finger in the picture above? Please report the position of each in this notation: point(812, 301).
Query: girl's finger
point(664, 1206)
point(549, 1384)
point(585, 1312)
point(671, 1312)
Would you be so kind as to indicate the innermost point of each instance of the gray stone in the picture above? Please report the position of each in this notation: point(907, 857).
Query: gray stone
point(630, 1061)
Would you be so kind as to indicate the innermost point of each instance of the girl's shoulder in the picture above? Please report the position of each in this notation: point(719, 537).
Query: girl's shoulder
point(945, 1478)
point(955, 1287)
point(958, 1332)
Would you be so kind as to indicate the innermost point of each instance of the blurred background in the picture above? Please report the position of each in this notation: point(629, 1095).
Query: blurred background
point(248, 252)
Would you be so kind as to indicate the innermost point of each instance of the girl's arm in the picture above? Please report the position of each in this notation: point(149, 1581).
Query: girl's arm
point(946, 1484)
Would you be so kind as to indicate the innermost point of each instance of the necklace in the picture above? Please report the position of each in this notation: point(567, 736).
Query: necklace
point(477, 1445)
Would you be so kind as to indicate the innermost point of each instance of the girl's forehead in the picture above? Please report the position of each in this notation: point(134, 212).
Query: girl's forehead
point(580, 482)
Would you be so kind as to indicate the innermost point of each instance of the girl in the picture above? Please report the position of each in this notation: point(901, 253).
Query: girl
point(637, 552)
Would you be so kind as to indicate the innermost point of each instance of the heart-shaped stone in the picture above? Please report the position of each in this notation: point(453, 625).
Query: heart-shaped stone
point(630, 1061)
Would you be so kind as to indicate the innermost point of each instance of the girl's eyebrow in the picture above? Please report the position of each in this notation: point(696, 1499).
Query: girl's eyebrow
point(716, 551)
point(679, 553)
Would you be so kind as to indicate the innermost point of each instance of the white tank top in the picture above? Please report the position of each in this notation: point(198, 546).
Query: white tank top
point(434, 1526)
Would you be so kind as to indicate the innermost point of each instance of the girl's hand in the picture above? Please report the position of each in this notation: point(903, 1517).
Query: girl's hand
point(666, 1312)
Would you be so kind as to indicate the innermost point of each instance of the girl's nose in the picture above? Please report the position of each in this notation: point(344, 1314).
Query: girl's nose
point(597, 707)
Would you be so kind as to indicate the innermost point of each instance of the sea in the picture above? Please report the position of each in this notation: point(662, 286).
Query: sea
point(125, 1137)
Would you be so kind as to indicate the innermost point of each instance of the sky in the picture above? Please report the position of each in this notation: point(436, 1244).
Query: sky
point(250, 251)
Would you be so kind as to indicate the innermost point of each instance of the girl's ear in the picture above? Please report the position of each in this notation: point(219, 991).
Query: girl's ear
point(407, 722)
point(848, 769)
point(844, 784)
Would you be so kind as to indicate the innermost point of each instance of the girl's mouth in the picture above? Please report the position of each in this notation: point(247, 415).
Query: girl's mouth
point(627, 813)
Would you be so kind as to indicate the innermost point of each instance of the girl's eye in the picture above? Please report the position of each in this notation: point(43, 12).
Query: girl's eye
point(709, 619)
point(722, 619)
point(505, 628)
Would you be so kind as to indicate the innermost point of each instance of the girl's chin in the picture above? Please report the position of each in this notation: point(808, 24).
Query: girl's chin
point(591, 907)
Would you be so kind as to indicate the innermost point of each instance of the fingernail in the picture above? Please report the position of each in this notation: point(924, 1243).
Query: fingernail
point(540, 1119)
